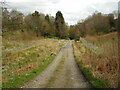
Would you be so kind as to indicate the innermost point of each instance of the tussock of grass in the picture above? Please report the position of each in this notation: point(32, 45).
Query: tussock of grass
point(85, 66)
point(106, 63)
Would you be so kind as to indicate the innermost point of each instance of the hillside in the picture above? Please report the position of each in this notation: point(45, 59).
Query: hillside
point(103, 63)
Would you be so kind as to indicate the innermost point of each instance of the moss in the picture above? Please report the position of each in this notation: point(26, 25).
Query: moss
point(99, 83)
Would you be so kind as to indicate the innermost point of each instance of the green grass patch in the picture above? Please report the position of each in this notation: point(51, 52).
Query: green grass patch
point(99, 83)
point(87, 72)
point(96, 83)
point(19, 80)
point(58, 68)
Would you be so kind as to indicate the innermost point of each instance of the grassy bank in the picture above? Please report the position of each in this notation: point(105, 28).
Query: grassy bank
point(17, 80)
point(87, 66)
point(20, 67)
point(107, 60)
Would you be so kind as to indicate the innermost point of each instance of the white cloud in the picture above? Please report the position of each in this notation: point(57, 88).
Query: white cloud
point(73, 10)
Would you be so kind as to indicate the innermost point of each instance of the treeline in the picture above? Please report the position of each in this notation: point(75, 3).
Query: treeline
point(38, 23)
point(49, 26)
point(96, 24)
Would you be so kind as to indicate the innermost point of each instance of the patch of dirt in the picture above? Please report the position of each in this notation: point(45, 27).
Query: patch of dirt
point(27, 68)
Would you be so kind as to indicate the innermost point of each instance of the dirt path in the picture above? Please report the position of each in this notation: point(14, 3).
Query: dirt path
point(61, 73)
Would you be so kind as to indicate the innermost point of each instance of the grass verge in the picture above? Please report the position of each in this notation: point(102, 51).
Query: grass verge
point(20, 67)
point(22, 78)
point(82, 62)
point(96, 83)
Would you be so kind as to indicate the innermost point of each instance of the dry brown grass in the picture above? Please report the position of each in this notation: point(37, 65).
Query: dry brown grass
point(12, 40)
point(26, 60)
point(27, 68)
point(28, 35)
point(104, 65)
point(16, 63)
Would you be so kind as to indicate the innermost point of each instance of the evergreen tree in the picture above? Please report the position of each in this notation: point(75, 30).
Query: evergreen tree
point(60, 25)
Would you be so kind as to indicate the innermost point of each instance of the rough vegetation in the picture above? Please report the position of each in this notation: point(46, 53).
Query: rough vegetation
point(49, 26)
point(30, 43)
point(25, 64)
point(102, 66)
point(41, 25)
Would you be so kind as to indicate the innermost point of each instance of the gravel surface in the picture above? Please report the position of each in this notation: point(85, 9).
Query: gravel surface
point(68, 75)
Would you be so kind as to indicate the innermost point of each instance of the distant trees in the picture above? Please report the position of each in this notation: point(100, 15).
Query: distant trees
point(97, 24)
point(16, 20)
point(74, 32)
point(49, 26)
point(112, 23)
point(101, 23)
point(12, 20)
point(61, 30)
point(38, 23)
point(5, 18)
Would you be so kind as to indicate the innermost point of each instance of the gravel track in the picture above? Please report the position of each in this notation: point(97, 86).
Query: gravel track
point(69, 76)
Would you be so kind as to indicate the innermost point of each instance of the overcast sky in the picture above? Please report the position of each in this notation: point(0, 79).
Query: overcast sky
point(73, 10)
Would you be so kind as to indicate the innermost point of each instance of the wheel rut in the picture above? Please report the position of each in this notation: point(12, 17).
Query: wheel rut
point(63, 72)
